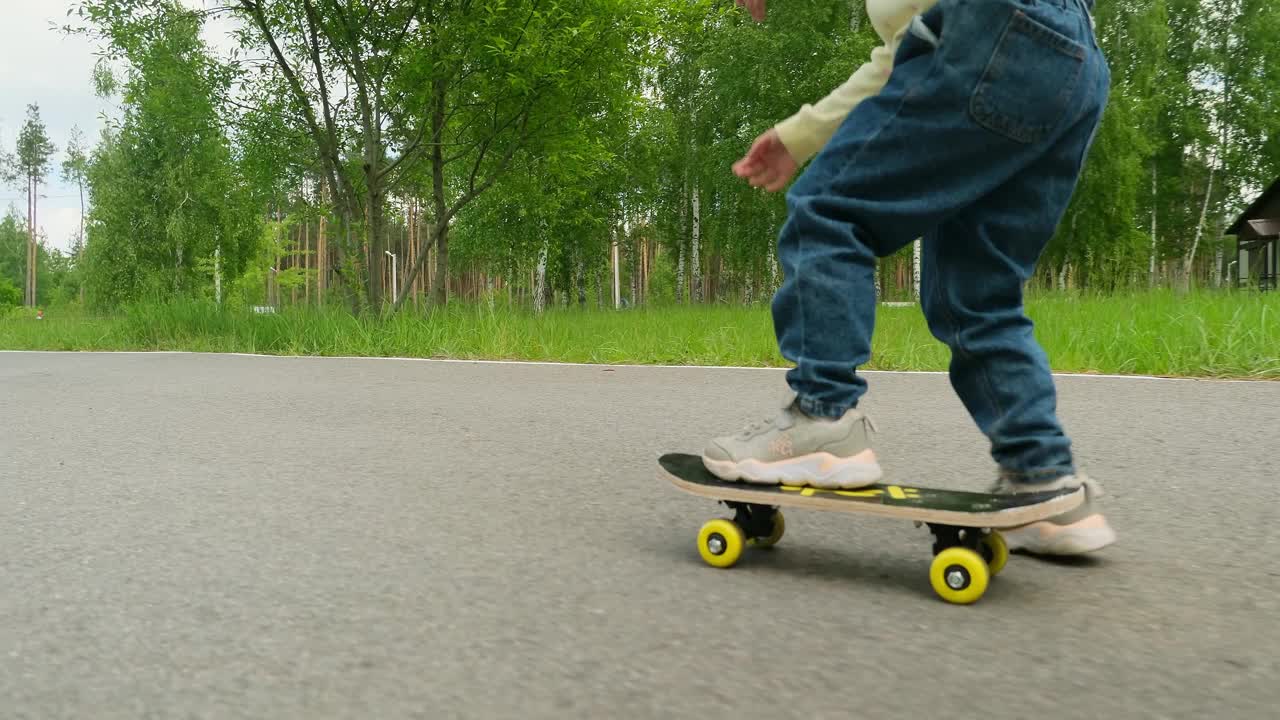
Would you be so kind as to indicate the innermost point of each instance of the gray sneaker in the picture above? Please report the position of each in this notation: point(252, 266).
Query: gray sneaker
point(1077, 532)
point(796, 449)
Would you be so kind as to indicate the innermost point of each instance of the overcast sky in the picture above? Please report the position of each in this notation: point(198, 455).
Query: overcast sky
point(44, 66)
point(40, 64)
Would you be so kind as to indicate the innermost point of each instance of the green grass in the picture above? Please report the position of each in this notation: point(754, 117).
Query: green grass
point(1222, 335)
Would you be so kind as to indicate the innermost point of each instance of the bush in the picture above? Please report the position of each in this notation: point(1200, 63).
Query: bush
point(10, 296)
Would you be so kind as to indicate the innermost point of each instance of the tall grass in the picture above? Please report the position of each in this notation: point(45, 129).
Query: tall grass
point(1234, 335)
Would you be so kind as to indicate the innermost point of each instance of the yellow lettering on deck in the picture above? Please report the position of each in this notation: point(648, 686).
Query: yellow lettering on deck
point(804, 491)
point(859, 493)
point(894, 491)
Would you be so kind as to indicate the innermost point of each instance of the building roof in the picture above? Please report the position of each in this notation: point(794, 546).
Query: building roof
point(1269, 198)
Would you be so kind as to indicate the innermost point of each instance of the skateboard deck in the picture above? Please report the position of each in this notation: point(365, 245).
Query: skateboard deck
point(968, 548)
point(928, 505)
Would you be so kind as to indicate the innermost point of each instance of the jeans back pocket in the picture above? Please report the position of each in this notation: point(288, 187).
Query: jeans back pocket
point(1031, 78)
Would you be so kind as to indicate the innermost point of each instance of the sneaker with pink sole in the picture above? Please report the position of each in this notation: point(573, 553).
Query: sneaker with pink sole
point(793, 448)
point(1083, 530)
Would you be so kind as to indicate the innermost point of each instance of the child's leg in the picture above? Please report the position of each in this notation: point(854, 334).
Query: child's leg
point(975, 266)
point(955, 123)
point(1007, 84)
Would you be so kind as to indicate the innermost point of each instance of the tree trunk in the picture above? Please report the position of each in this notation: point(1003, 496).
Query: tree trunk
point(714, 268)
point(306, 262)
point(433, 255)
point(773, 270)
point(346, 246)
point(614, 260)
point(579, 279)
point(644, 270)
point(636, 270)
point(322, 260)
point(685, 197)
point(680, 274)
point(375, 240)
point(1204, 210)
point(441, 284)
point(540, 286)
point(83, 239)
point(32, 255)
point(1151, 271)
point(441, 233)
point(650, 257)
point(599, 288)
point(411, 228)
point(80, 183)
point(275, 282)
point(695, 262)
point(915, 268)
point(293, 263)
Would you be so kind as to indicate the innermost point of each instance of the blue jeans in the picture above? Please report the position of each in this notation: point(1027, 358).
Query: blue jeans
point(975, 144)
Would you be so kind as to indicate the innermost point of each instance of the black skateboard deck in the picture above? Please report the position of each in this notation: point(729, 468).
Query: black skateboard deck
point(912, 503)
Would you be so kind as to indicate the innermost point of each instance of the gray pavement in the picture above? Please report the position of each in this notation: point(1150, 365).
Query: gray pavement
point(234, 537)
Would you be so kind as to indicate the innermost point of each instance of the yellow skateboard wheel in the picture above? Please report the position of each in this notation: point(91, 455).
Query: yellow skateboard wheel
point(720, 543)
point(959, 575)
point(995, 551)
point(779, 529)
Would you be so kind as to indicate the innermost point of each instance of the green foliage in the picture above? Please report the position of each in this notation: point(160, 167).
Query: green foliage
point(55, 275)
point(10, 294)
point(34, 148)
point(536, 135)
point(13, 250)
point(166, 191)
point(57, 283)
point(76, 163)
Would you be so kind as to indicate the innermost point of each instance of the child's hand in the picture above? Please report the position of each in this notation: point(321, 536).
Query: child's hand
point(768, 164)
point(755, 7)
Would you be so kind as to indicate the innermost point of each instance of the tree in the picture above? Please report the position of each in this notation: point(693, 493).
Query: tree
point(167, 196)
point(13, 253)
point(75, 168)
point(718, 103)
point(314, 43)
point(538, 146)
point(444, 96)
point(31, 166)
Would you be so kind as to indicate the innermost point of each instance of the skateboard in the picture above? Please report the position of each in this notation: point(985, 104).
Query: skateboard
point(968, 549)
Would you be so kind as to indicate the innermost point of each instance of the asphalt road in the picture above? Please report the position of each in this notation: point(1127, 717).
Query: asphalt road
point(224, 537)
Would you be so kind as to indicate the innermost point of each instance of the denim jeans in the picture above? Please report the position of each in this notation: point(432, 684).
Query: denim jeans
point(975, 144)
